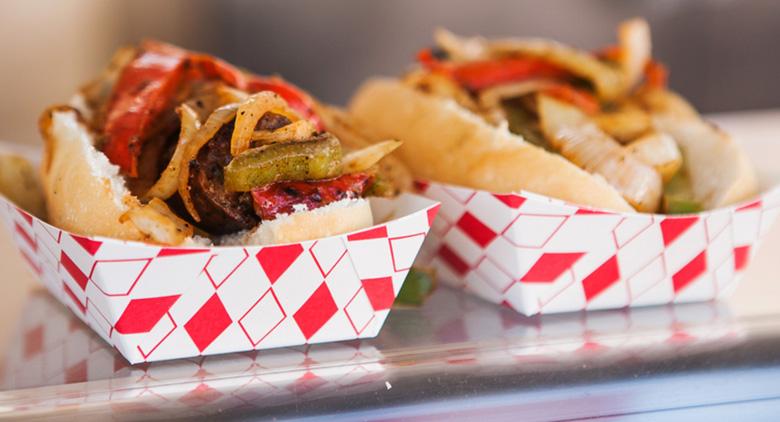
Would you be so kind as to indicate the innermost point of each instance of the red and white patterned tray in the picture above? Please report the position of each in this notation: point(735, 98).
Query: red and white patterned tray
point(154, 303)
point(536, 254)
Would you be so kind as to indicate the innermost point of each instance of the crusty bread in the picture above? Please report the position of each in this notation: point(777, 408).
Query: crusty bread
point(447, 143)
point(85, 194)
point(339, 217)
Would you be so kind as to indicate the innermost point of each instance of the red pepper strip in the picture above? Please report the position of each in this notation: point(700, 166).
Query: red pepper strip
point(147, 85)
point(141, 94)
point(577, 97)
point(611, 53)
point(205, 67)
point(281, 197)
point(656, 75)
point(484, 74)
point(477, 75)
point(297, 99)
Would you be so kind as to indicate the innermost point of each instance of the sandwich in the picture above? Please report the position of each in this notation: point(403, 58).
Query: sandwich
point(598, 129)
point(175, 147)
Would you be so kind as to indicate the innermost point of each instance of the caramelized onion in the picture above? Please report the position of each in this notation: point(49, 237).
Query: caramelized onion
point(168, 182)
point(249, 113)
point(367, 157)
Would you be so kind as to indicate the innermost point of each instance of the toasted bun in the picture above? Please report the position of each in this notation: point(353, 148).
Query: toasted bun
point(336, 218)
point(445, 142)
point(85, 194)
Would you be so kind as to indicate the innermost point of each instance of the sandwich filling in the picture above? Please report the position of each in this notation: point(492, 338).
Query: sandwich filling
point(608, 112)
point(217, 149)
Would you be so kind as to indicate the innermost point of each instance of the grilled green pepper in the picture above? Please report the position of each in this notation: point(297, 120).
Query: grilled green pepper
point(416, 288)
point(678, 195)
point(319, 158)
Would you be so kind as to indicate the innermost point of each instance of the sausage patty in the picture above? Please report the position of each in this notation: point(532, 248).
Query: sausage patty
point(222, 211)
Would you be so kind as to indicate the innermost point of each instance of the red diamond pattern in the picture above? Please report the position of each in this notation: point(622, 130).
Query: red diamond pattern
point(380, 292)
point(33, 341)
point(200, 395)
point(82, 307)
point(599, 280)
point(96, 361)
point(26, 237)
point(208, 323)
point(89, 245)
point(78, 276)
point(550, 266)
point(673, 227)
point(375, 233)
point(453, 260)
point(432, 214)
point(306, 383)
point(316, 311)
point(275, 260)
point(741, 255)
point(476, 230)
point(632, 241)
point(165, 313)
point(690, 272)
point(180, 251)
point(141, 315)
point(512, 201)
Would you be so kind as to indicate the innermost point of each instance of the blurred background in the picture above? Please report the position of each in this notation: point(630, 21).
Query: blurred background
point(723, 54)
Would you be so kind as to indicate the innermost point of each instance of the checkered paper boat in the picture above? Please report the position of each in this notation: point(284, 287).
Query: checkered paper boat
point(154, 303)
point(536, 254)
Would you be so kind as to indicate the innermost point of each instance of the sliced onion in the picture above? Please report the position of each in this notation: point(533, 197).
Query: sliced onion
point(296, 131)
point(460, 48)
point(216, 120)
point(491, 97)
point(365, 158)
point(576, 137)
point(168, 182)
point(608, 81)
point(658, 150)
point(228, 94)
point(635, 47)
point(249, 113)
point(158, 222)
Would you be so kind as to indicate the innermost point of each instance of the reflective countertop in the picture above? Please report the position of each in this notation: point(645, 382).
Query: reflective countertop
point(454, 358)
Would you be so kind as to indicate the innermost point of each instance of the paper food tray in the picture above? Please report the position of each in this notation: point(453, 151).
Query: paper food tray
point(536, 254)
point(154, 303)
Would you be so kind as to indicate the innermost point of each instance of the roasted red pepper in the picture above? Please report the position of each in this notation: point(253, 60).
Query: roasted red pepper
point(577, 97)
point(143, 91)
point(656, 75)
point(297, 99)
point(281, 197)
point(147, 86)
point(481, 74)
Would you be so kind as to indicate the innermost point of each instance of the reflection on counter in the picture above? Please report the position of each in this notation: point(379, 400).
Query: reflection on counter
point(72, 368)
point(52, 347)
point(465, 322)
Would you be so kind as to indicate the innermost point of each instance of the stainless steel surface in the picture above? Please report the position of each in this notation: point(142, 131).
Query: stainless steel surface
point(454, 358)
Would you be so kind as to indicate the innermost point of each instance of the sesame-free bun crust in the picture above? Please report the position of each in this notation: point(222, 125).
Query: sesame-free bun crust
point(84, 192)
point(443, 141)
